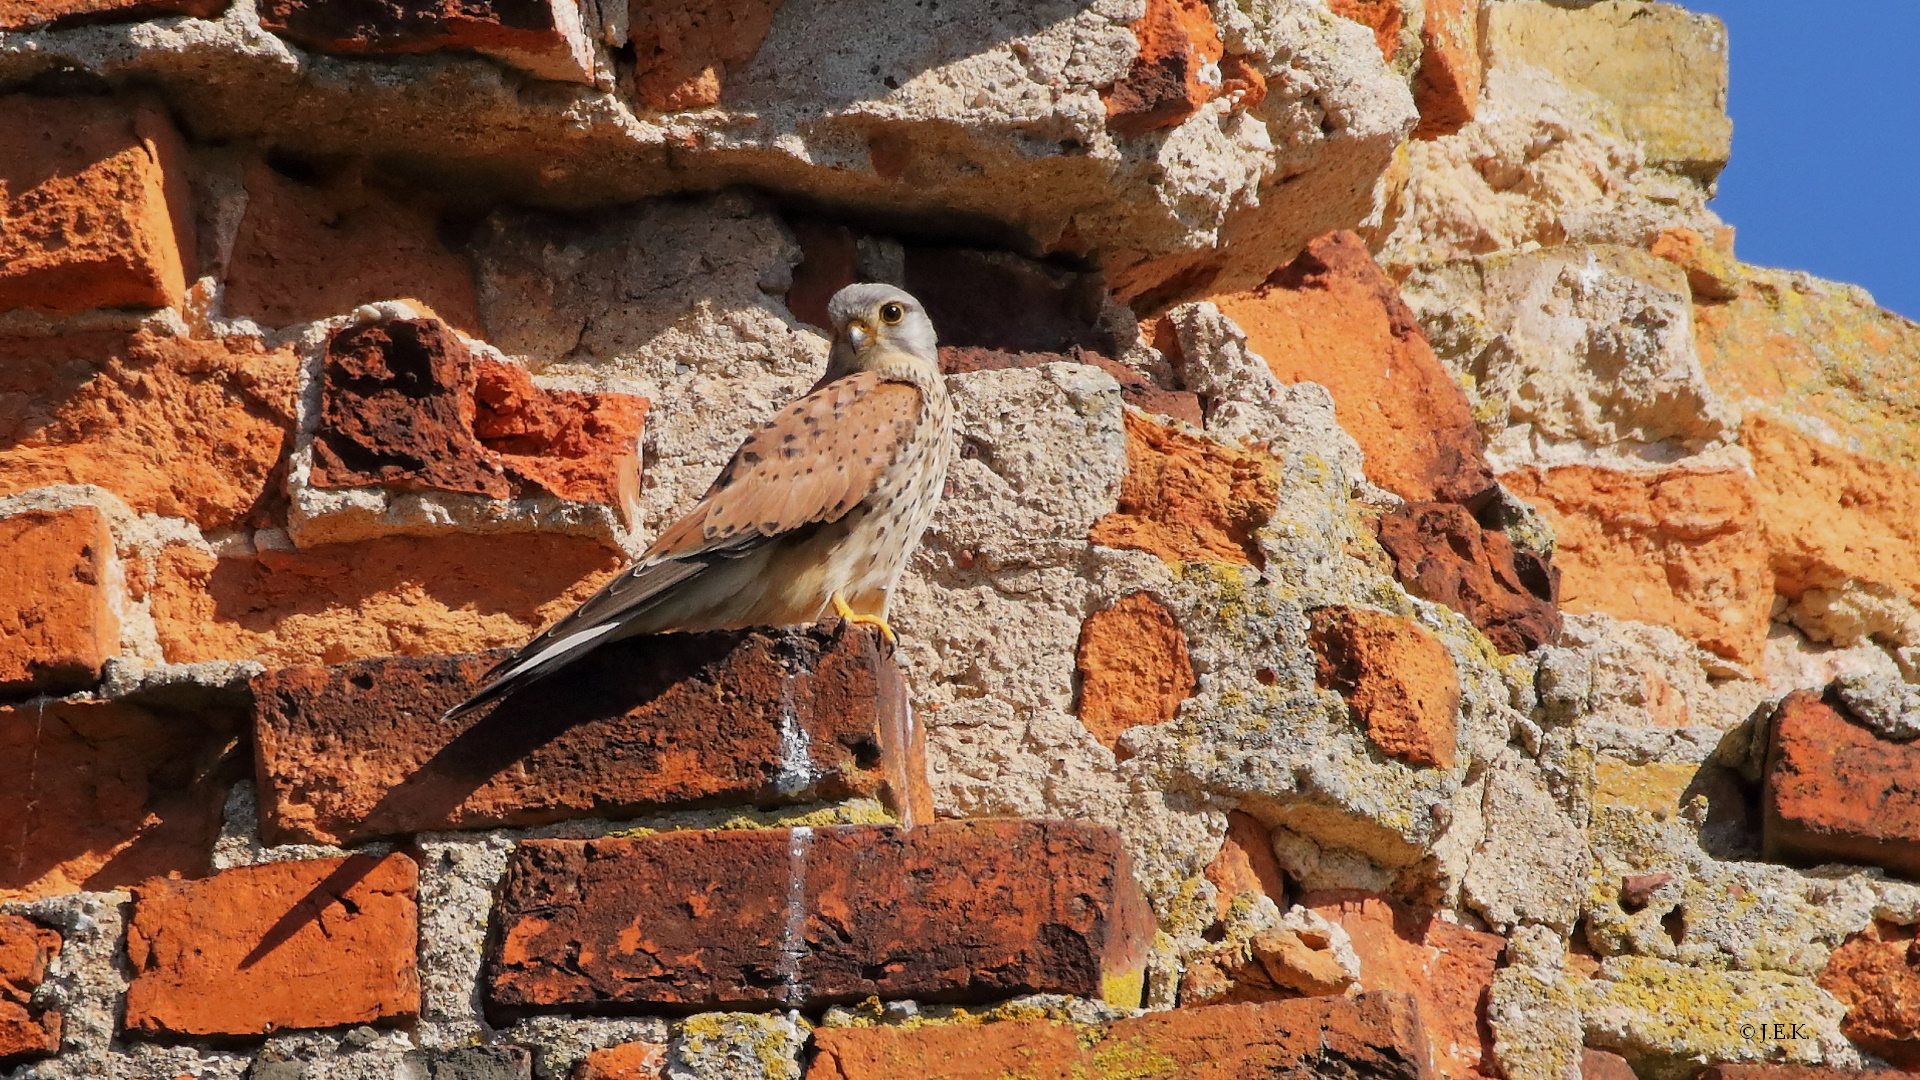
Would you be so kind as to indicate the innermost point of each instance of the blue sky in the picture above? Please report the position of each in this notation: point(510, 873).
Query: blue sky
point(1825, 177)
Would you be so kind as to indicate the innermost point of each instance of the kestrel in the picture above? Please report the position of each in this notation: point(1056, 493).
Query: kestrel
point(817, 511)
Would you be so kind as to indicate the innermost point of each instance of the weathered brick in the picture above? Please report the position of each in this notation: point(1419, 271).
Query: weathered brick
point(1386, 18)
point(405, 405)
point(1135, 389)
point(1189, 499)
point(1134, 668)
point(1445, 966)
point(1604, 1065)
point(57, 626)
point(682, 50)
point(1795, 1072)
point(325, 244)
point(1876, 973)
point(1396, 677)
point(181, 427)
point(544, 38)
point(1678, 547)
point(1371, 1035)
point(1836, 792)
point(1276, 964)
point(1446, 89)
point(317, 943)
point(1245, 863)
point(104, 794)
point(27, 1030)
point(955, 911)
point(1441, 553)
point(766, 718)
point(33, 14)
point(1332, 317)
point(628, 1061)
point(1177, 41)
point(95, 205)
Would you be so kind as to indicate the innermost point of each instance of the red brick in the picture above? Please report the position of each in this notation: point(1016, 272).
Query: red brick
point(1876, 974)
point(1795, 1072)
point(1604, 1065)
point(1446, 967)
point(192, 428)
point(103, 794)
point(682, 50)
point(404, 405)
point(33, 14)
point(1446, 89)
point(1441, 553)
point(1177, 39)
point(1134, 668)
point(628, 1061)
point(318, 943)
point(541, 37)
point(1274, 965)
point(360, 750)
point(97, 207)
point(313, 250)
point(1372, 1035)
point(1835, 792)
point(1384, 17)
point(958, 911)
point(1398, 679)
point(1332, 317)
point(1189, 499)
point(57, 627)
point(27, 1030)
point(1246, 864)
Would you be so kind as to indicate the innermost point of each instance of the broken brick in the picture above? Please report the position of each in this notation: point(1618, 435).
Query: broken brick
point(1836, 792)
point(1398, 679)
point(57, 626)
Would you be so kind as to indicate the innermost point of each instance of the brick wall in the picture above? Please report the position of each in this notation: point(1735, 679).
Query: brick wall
point(1409, 603)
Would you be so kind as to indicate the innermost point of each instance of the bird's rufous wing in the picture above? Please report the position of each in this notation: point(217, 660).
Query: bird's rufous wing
point(816, 460)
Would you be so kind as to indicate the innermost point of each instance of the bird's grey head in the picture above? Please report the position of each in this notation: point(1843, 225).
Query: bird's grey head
point(873, 324)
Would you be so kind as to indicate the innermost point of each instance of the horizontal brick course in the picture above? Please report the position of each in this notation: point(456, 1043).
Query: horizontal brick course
point(97, 209)
point(360, 750)
point(544, 38)
point(57, 626)
point(1835, 792)
point(1375, 1035)
point(957, 911)
point(318, 943)
point(34, 14)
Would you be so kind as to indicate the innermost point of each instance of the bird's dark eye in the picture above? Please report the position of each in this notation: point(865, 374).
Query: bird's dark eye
point(892, 313)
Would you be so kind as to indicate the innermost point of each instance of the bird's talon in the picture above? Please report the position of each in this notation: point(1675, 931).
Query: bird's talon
point(841, 609)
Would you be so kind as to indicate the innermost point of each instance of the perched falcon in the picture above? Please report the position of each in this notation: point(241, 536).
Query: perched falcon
point(817, 511)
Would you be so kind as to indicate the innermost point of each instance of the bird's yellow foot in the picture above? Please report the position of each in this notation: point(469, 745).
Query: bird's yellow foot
point(840, 608)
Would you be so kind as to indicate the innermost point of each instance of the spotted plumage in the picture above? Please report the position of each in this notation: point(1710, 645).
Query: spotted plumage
point(817, 511)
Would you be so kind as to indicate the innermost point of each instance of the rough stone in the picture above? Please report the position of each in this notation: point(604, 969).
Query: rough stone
point(1441, 553)
point(361, 750)
point(1389, 20)
point(1835, 792)
point(1332, 317)
point(325, 243)
point(103, 794)
point(544, 38)
point(1397, 678)
point(1890, 706)
point(28, 1028)
point(1534, 1011)
point(1665, 1017)
point(315, 943)
point(1534, 862)
point(1135, 388)
point(96, 206)
point(1876, 973)
point(1446, 967)
point(403, 595)
point(34, 14)
point(174, 426)
point(1446, 89)
point(1187, 499)
point(1371, 1034)
point(1679, 547)
point(812, 916)
point(1657, 72)
point(1273, 965)
point(1134, 667)
point(57, 623)
point(682, 51)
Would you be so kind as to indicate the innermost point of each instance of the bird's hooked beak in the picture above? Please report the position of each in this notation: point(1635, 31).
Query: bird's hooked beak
point(858, 333)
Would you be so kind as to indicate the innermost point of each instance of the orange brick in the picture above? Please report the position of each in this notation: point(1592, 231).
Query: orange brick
point(1836, 792)
point(1397, 678)
point(1446, 89)
point(628, 1061)
point(26, 1030)
point(320, 943)
point(1177, 40)
point(1188, 499)
point(57, 627)
point(33, 14)
point(1134, 668)
point(96, 204)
